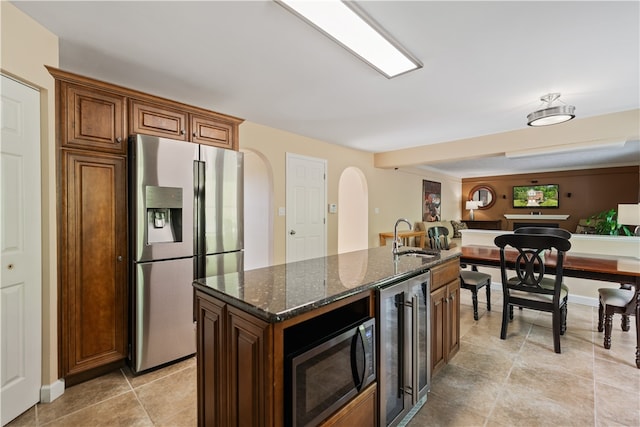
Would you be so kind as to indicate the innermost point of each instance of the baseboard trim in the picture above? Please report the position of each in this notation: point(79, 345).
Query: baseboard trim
point(50, 392)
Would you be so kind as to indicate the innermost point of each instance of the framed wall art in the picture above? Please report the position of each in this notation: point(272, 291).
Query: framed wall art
point(431, 203)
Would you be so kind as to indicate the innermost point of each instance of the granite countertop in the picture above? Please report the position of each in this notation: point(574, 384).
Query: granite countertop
point(280, 292)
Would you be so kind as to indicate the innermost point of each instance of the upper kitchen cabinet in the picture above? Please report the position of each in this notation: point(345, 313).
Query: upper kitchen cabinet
point(158, 120)
point(213, 131)
point(92, 119)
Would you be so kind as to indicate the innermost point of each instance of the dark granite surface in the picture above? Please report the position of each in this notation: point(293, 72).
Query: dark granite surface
point(280, 292)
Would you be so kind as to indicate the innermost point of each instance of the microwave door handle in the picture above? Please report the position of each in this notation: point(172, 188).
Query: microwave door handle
point(358, 339)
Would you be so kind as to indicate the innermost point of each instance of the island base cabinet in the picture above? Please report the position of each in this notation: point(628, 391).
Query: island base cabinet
point(234, 375)
point(445, 314)
point(361, 411)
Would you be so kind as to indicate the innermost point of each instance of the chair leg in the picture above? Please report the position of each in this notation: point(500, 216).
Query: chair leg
point(488, 296)
point(608, 324)
point(511, 312)
point(624, 323)
point(557, 321)
point(505, 320)
point(600, 317)
point(474, 298)
point(563, 325)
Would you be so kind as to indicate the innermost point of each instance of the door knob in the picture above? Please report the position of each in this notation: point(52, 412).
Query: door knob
point(292, 232)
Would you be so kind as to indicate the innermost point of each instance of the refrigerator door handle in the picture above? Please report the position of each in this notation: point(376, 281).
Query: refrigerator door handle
point(198, 216)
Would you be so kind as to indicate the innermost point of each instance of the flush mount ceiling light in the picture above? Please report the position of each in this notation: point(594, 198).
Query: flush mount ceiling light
point(351, 28)
point(551, 115)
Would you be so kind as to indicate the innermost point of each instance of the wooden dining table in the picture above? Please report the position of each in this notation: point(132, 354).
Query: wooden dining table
point(607, 268)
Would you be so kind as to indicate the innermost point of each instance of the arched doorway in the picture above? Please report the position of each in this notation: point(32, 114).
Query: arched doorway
point(258, 211)
point(353, 211)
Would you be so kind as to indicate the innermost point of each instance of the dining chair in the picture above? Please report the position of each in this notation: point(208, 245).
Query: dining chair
point(438, 237)
point(616, 301)
point(472, 280)
point(532, 287)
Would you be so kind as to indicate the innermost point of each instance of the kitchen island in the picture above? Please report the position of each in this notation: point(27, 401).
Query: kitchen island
point(243, 319)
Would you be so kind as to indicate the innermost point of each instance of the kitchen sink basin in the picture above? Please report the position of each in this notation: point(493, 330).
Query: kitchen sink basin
point(419, 253)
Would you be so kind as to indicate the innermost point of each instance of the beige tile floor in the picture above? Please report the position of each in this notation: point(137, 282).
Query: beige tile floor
point(490, 382)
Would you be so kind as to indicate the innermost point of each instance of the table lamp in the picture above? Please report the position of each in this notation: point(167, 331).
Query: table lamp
point(471, 205)
point(629, 214)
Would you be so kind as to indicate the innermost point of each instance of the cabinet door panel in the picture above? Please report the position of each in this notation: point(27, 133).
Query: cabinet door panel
point(94, 286)
point(212, 132)
point(158, 120)
point(438, 328)
point(212, 382)
point(94, 120)
point(453, 290)
point(247, 370)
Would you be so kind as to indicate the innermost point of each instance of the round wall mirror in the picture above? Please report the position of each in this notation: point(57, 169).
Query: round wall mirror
point(484, 194)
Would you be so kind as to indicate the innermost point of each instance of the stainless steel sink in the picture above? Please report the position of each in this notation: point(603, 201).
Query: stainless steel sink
point(419, 253)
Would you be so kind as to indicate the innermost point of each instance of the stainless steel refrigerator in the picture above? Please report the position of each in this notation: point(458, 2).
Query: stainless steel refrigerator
point(186, 208)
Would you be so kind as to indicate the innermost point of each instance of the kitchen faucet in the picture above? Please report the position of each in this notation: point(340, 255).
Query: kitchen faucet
point(396, 245)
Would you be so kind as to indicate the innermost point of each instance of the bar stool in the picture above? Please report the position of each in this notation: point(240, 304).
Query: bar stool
point(474, 280)
point(612, 301)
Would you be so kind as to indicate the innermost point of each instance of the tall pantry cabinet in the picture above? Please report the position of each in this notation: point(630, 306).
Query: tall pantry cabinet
point(93, 121)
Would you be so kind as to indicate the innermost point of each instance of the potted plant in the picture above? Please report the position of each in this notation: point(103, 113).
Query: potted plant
point(606, 223)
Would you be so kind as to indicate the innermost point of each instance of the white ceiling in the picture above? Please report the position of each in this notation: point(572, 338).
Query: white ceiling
point(486, 64)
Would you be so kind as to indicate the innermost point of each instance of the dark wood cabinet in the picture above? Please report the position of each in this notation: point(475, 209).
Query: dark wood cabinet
point(361, 411)
point(159, 120)
point(445, 313)
point(93, 253)
point(234, 376)
point(212, 131)
point(92, 119)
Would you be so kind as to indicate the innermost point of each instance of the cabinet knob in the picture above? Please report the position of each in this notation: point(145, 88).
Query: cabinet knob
point(118, 140)
point(119, 258)
point(195, 134)
point(182, 132)
point(292, 232)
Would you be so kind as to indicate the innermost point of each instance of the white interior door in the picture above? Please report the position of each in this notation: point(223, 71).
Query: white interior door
point(306, 213)
point(21, 271)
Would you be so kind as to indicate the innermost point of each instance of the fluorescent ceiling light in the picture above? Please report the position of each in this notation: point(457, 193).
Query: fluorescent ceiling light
point(350, 27)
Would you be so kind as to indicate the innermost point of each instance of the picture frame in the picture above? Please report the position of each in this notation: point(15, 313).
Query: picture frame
point(431, 201)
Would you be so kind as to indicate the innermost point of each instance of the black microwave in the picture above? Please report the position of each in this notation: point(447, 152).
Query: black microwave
point(321, 378)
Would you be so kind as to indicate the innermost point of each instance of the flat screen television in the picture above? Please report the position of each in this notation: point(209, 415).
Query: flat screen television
point(535, 196)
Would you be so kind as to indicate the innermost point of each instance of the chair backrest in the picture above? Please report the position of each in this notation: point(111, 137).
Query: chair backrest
point(438, 237)
point(554, 231)
point(529, 263)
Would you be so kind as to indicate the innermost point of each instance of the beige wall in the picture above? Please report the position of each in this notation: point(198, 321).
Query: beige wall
point(26, 48)
point(396, 193)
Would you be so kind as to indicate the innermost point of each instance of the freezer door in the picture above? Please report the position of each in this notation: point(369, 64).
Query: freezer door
point(162, 198)
point(222, 200)
point(163, 319)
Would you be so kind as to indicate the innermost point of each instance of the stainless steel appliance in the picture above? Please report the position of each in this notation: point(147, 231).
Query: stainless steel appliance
point(323, 376)
point(404, 334)
point(186, 208)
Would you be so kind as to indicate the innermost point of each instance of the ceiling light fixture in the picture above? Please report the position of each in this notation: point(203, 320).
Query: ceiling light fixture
point(551, 115)
point(350, 27)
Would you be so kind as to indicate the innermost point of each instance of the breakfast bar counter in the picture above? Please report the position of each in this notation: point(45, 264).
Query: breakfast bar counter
point(247, 322)
point(281, 292)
